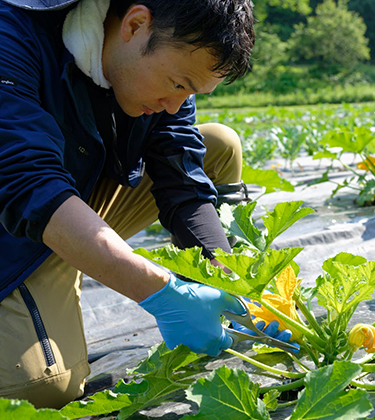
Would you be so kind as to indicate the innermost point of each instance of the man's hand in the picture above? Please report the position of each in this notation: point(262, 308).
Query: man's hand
point(189, 313)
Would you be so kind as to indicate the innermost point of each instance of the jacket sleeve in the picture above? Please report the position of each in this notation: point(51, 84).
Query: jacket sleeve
point(197, 224)
point(174, 162)
point(33, 181)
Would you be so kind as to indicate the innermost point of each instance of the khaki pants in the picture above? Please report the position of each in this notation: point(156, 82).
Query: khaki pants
point(25, 371)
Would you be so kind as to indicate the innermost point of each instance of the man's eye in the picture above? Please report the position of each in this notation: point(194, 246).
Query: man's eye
point(178, 86)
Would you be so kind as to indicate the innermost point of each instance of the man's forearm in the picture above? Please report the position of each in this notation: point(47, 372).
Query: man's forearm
point(79, 236)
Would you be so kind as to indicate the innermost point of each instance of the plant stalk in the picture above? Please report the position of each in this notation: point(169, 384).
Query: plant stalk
point(349, 168)
point(311, 354)
point(287, 404)
point(299, 363)
point(309, 316)
point(364, 386)
point(337, 327)
point(292, 375)
point(281, 388)
point(364, 359)
point(347, 186)
point(368, 367)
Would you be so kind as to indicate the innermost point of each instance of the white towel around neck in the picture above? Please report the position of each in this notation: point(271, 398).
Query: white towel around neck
point(83, 36)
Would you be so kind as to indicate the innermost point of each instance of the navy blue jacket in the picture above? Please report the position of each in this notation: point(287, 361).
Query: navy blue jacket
point(50, 147)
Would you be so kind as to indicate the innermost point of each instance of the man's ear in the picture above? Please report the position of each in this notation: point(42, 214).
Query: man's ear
point(137, 18)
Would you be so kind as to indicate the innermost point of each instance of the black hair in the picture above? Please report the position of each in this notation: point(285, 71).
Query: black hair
point(224, 27)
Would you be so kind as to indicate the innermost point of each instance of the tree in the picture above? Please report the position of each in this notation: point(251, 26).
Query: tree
point(334, 36)
point(269, 51)
point(366, 8)
point(261, 7)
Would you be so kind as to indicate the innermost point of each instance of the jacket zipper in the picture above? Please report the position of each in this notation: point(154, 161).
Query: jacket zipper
point(114, 145)
point(38, 324)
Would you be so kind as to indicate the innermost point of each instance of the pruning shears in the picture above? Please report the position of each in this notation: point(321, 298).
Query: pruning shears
point(260, 337)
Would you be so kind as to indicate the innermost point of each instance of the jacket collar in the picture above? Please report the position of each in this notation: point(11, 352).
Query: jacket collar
point(41, 4)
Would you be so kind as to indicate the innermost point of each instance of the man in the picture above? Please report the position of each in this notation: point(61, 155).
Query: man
point(93, 94)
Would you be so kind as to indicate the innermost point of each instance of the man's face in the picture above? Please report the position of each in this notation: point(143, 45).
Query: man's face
point(161, 80)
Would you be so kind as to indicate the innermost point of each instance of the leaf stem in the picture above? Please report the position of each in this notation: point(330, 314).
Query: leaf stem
point(292, 375)
point(311, 354)
point(336, 329)
point(348, 168)
point(287, 404)
point(286, 387)
point(318, 342)
point(260, 195)
point(368, 367)
point(365, 359)
point(309, 316)
point(299, 363)
point(347, 186)
point(361, 385)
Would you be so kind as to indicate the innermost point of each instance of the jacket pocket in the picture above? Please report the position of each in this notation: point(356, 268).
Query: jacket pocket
point(38, 324)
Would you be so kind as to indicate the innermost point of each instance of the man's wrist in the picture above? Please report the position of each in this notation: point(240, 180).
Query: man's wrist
point(148, 300)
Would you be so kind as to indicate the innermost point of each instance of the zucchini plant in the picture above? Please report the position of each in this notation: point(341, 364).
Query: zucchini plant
point(361, 142)
point(331, 378)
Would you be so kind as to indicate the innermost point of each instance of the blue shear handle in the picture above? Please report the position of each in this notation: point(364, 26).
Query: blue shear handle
point(272, 330)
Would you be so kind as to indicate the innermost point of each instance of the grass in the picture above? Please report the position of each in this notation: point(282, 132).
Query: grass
point(329, 95)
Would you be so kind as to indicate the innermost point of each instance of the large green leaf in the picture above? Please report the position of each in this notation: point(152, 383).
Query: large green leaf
point(348, 282)
point(283, 217)
point(364, 137)
point(266, 178)
point(20, 409)
point(325, 154)
point(104, 402)
point(343, 258)
point(325, 396)
point(370, 148)
point(237, 221)
point(252, 274)
point(167, 372)
point(180, 357)
point(349, 141)
point(227, 394)
point(258, 274)
point(190, 263)
point(160, 375)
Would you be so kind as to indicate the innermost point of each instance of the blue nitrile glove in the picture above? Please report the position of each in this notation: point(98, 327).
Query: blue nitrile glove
point(272, 329)
point(189, 313)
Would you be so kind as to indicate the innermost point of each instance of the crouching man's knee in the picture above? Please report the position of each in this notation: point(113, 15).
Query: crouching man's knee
point(223, 160)
point(223, 163)
point(54, 390)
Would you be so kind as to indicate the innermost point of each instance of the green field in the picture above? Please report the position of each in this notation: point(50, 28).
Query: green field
point(286, 131)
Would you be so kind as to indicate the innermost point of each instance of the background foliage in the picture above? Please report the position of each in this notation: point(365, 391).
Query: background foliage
point(306, 52)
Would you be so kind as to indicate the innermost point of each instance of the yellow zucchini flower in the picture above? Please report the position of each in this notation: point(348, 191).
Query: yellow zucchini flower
point(362, 335)
point(366, 163)
point(285, 283)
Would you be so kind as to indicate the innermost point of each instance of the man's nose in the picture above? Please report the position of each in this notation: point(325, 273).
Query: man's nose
point(172, 104)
